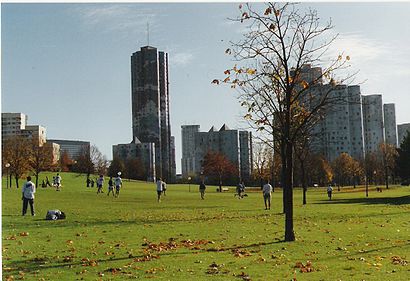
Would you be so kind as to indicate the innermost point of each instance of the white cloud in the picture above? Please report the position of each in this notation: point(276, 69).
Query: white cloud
point(118, 17)
point(181, 59)
point(359, 47)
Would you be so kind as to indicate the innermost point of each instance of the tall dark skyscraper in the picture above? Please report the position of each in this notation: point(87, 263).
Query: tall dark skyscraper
point(150, 106)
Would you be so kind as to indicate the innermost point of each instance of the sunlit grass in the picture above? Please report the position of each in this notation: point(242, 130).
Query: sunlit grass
point(221, 237)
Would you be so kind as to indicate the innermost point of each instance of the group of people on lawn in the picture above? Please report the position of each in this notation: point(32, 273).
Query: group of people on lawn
point(161, 187)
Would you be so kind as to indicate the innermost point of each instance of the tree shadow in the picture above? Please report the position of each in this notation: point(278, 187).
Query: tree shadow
point(369, 201)
point(43, 262)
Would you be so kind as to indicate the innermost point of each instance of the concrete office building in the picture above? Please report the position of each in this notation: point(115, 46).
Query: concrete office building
point(355, 122)
point(188, 133)
point(15, 124)
point(73, 148)
point(12, 124)
point(373, 122)
point(340, 129)
point(150, 106)
point(36, 133)
point(137, 150)
point(402, 130)
point(390, 134)
point(235, 145)
point(54, 150)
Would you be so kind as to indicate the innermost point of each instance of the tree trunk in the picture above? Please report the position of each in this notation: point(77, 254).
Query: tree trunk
point(304, 185)
point(10, 179)
point(37, 174)
point(17, 181)
point(282, 177)
point(386, 176)
point(289, 233)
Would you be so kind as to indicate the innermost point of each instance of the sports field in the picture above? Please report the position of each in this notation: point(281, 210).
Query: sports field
point(219, 238)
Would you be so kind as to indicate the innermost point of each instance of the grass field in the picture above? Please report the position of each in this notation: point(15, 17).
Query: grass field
point(219, 238)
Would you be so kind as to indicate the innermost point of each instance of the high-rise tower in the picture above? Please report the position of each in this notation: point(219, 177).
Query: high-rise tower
point(150, 105)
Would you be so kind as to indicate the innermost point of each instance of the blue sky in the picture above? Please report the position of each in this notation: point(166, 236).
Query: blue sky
point(67, 66)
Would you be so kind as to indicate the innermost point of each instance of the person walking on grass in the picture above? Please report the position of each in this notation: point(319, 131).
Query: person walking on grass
point(202, 188)
point(28, 196)
point(110, 187)
point(118, 184)
point(160, 189)
point(164, 187)
point(267, 192)
point(58, 182)
point(100, 182)
point(329, 191)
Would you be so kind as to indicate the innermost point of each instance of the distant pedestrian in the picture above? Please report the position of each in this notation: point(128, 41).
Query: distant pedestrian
point(92, 183)
point(88, 182)
point(58, 181)
point(28, 196)
point(118, 184)
point(267, 194)
point(43, 184)
point(47, 182)
point(240, 189)
point(202, 188)
point(164, 187)
point(329, 191)
point(160, 189)
point(100, 182)
point(110, 187)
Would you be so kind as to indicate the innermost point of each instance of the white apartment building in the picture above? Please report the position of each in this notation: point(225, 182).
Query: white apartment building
point(373, 122)
point(12, 124)
point(390, 135)
point(188, 166)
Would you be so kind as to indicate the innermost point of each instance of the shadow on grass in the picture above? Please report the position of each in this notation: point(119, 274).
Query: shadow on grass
point(43, 263)
point(370, 201)
point(361, 253)
point(140, 221)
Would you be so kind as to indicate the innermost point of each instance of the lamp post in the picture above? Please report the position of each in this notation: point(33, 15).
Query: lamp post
point(189, 182)
point(7, 176)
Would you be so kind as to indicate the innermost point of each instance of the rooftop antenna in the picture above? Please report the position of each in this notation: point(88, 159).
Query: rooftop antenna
point(147, 33)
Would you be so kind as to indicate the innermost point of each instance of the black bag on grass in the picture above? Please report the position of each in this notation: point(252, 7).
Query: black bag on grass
point(55, 215)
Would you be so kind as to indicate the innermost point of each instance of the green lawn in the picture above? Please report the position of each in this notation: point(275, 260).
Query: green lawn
point(219, 238)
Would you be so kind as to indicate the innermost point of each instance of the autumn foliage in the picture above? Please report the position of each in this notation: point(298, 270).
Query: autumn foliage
point(218, 168)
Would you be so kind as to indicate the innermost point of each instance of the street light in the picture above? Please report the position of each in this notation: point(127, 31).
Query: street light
point(189, 182)
point(7, 176)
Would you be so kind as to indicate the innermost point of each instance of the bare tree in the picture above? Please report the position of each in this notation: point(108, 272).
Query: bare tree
point(41, 159)
point(280, 100)
point(389, 155)
point(263, 162)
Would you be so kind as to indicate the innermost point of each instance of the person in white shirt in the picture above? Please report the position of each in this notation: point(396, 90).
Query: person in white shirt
point(160, 189)
point(329, 191)
point(28, 196)
point(118, 184)
point(267, 191)
point(100, 182)
point(58, 182)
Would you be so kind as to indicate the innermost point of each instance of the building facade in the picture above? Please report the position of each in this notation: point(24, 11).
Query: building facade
point(150, 106)
point(12, 124)
point(188, 133)
point(138, 150)
point(73, 148)
point(389, 115)
point(402, 131)
point(235, 145)
point(373, 122)
point(340, 130)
